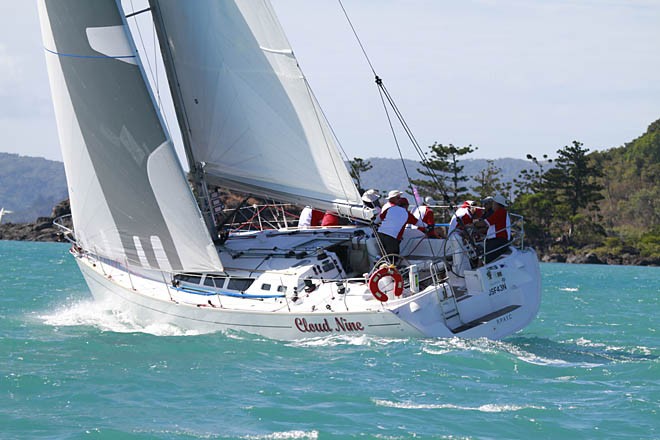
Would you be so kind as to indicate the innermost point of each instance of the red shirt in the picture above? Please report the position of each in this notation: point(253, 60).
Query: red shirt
point(330, 219)
point(500, 221)
point(317, 217)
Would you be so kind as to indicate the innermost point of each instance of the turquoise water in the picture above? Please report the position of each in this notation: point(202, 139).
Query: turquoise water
point(587, 368)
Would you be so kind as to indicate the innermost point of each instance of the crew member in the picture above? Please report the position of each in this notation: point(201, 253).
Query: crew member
point(426, 215)
point(371, 199)
point(464, 213)
point(393, 221)
point(499, 229)
point(310, 217)
point(393, 198)
point(330, 219)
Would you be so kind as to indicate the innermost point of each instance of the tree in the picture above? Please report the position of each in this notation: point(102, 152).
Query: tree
point(532, 180)
point(488, 181)
point(573, 178)
point(445, 179)
point(357, 167)
point(573, 181)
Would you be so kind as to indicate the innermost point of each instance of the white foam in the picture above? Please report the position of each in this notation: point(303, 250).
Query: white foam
point(569, 289)
point(106, 318)
point(284, 435)
point(484, 345)
point(337, 340)
point(489, 408)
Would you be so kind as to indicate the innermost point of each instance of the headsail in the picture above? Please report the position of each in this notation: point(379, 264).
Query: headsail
point(253, 120)
point(129, 197)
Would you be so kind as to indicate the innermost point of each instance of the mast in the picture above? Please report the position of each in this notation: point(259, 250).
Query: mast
point(200, 188)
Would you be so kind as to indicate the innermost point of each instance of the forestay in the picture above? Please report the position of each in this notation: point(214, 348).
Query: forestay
point(129, 197)
point(251, 116)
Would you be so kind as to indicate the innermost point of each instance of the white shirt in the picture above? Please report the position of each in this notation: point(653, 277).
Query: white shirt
point(419, 213)
point(460, 212)
point(395, 219)
point(305, 217)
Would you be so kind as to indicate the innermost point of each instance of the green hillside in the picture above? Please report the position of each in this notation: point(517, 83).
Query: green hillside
point(30, 186)
point(630, 209)
point(604, 205)
point(621, 219)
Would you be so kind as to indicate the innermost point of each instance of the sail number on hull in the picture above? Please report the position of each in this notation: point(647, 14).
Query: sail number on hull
point(496, 280)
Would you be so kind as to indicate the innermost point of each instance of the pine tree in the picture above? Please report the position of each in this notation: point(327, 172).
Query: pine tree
point(573, 183)
point(445, 179)
point(488, 181)
point(357, 167)
point(573, 178)
point(531, 180)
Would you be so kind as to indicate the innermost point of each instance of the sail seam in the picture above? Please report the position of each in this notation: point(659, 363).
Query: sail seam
point(72, 55)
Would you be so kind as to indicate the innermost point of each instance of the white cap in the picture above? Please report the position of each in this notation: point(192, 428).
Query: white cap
point(500, 200)
point(393, 193)
point(429, 201)
point(370, 195)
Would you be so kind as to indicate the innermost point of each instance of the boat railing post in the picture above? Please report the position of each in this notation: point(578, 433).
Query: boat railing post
point(286, 224)
point(286, 299)
point(128, 271)
point(167, 286)
point(96, 257)
point(483, 251)
point(217, 293)
point(261, 226)
point(344, 285)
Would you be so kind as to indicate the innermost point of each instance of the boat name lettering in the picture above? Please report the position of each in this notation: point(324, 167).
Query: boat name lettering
point(504, 318)
point(341, 325)
point(344, 325)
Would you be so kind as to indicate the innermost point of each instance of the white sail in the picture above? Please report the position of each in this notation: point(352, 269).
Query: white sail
point(129, 197)
point(252, 119)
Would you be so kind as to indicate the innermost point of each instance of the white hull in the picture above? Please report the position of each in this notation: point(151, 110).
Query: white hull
point(260, 132)
point(324, 312)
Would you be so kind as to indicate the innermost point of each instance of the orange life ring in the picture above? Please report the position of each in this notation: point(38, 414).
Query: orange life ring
point(385, 270)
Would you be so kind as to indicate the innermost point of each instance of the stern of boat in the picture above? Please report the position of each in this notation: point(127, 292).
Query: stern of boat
point(498, 300)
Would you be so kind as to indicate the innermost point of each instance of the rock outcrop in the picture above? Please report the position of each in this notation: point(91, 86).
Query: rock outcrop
point(42, 229)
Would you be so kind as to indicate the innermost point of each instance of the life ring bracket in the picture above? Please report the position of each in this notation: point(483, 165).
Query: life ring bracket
point(386, 270)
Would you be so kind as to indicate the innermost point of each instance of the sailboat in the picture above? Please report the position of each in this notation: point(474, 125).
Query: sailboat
point(145, 238)
point(4, 211)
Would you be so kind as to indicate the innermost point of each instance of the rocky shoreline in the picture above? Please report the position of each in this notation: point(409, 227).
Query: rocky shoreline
point(43, 229)
point(588, 257)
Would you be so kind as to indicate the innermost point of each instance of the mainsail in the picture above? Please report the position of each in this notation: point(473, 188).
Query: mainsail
point(252, 120)
point(129, 197)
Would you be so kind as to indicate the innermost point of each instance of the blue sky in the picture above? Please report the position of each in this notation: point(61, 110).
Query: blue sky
point(510, 77)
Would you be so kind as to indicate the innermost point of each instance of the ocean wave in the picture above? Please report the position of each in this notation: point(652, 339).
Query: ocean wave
point(580, 352)
point(540, 352)
point(489, 407)
point(106, 318)
point(569, 289)
point(284, 435)
point(447, 345)
point(348, 340)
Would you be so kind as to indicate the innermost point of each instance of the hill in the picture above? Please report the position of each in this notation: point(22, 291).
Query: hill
point(30, 186)
point(388, 174)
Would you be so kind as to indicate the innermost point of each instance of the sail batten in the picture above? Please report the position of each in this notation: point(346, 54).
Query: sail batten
point(253, 122)
point(129, 196)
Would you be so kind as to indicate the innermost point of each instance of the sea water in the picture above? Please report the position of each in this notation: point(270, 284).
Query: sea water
point(587, 368)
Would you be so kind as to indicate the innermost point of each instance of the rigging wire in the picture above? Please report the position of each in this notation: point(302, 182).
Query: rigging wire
point(152, 69)
point(390, 100)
